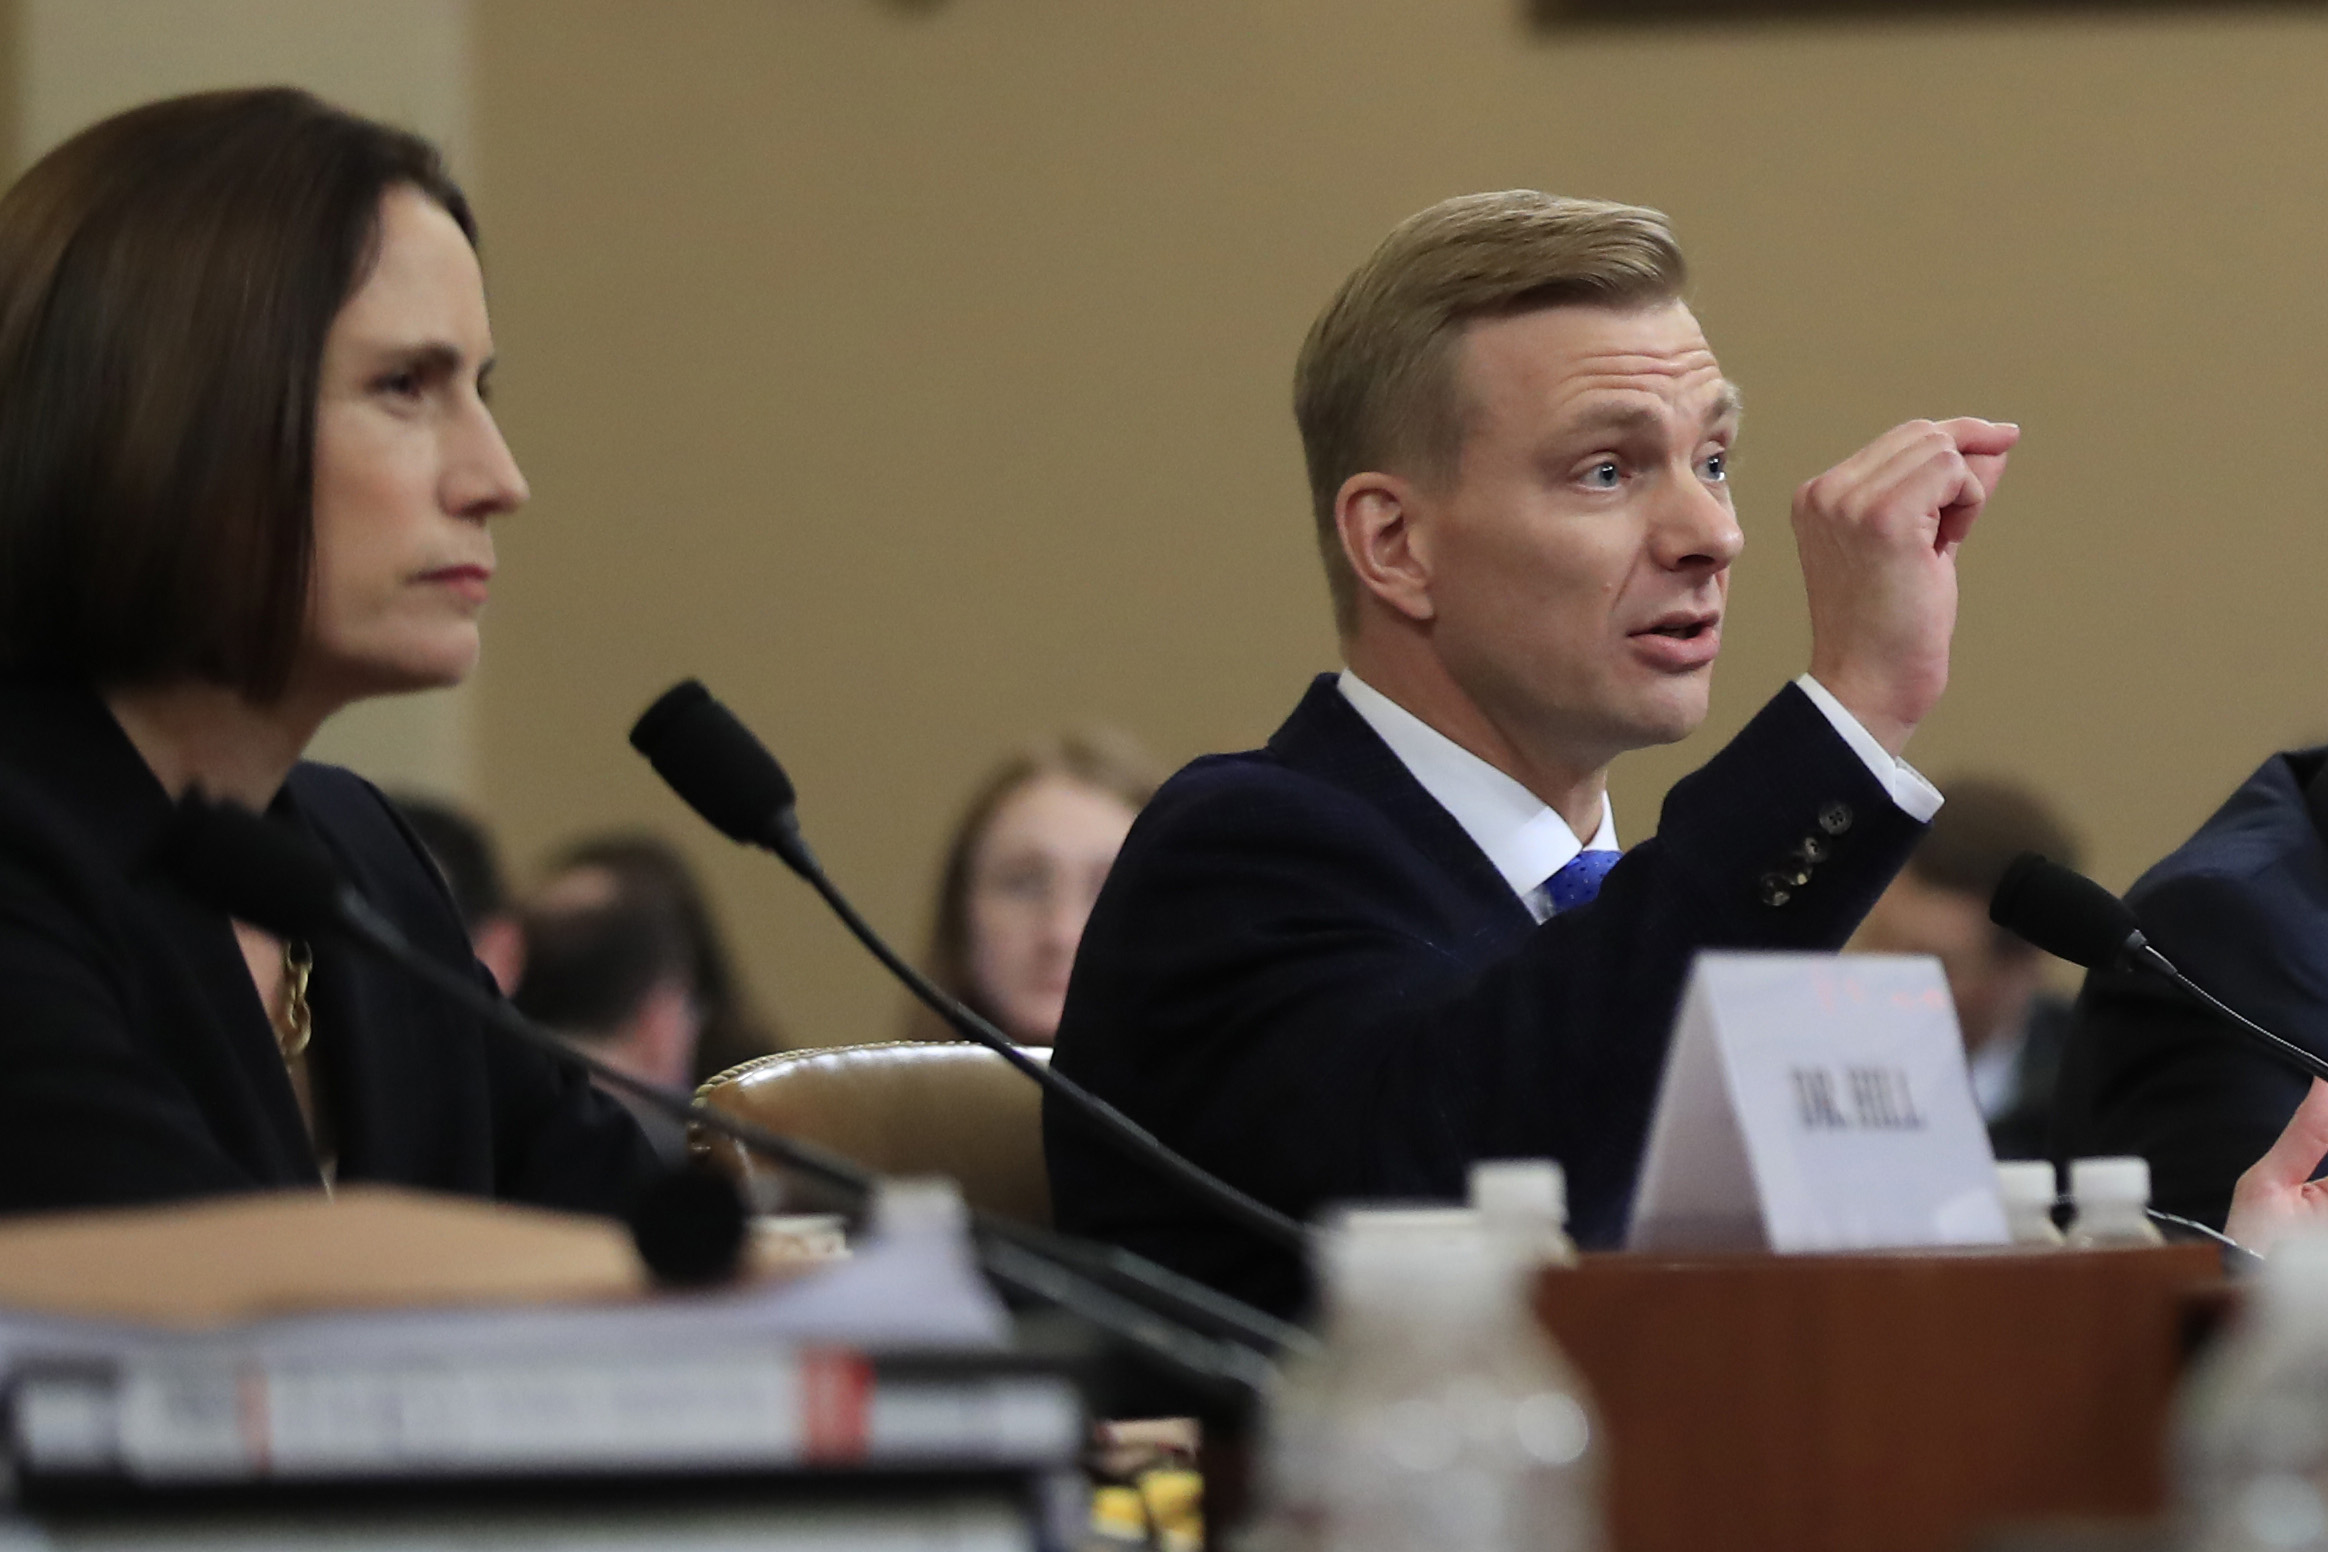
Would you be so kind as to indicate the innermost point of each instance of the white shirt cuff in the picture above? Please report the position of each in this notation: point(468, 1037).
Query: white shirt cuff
point(1917, 798)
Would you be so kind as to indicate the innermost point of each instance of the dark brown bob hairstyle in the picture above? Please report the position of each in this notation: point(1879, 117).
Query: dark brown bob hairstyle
point(167, 279)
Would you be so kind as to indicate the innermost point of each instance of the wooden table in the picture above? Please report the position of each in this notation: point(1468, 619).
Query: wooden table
point(1894, 1403)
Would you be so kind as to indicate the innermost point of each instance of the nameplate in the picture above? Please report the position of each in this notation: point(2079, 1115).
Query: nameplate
point(1816, 1102)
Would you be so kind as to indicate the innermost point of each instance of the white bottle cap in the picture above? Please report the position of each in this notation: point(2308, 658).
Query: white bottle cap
point(1523, 1190)
point(2030, 1183)
point(920, 1204)
point(1396, 1256)
point(2110, 1181)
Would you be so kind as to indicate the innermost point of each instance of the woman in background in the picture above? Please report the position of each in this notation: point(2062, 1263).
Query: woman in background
point(247, 477)
point(1021, 873)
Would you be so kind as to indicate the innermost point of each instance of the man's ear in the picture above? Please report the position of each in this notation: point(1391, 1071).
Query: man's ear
point(1387, 542)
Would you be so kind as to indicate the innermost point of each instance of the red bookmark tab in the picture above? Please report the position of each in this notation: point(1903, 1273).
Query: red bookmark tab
point(836, 1405)
point(252, 1419)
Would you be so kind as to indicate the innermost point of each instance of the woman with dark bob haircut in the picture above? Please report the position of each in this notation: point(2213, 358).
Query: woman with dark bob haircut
point(247, 474)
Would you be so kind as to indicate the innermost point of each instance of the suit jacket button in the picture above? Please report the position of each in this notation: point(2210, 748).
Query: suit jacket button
point(1814, 849)
point(1835, 818)
point(1774, 890)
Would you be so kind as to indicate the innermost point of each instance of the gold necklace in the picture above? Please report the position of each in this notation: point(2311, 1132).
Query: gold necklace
point(298, 1019)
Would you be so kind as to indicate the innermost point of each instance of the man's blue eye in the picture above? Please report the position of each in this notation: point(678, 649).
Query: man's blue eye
point(1717, 467)
point(1604, 476)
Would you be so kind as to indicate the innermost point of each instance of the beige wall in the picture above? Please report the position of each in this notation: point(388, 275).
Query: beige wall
point(11, 84)
point(917, 376)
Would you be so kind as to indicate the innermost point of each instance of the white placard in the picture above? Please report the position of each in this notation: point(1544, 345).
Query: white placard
point(1816, 1102)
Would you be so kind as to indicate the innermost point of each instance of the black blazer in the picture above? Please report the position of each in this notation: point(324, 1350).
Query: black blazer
point(2242, 909)
point(136, 1062)
point(2025, 1130)
point(1304, 974)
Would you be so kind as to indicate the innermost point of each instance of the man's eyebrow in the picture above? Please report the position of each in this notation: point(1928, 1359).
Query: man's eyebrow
point(1616, 417)
point(1728, 405)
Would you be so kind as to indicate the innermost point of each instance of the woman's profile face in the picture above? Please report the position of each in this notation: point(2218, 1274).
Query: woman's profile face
point(409, 467)
point(1033, 877)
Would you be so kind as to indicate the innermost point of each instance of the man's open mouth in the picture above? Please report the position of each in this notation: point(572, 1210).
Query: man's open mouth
point(1682, 630)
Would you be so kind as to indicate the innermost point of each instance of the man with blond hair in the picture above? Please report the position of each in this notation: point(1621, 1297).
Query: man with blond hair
point(1398, 939)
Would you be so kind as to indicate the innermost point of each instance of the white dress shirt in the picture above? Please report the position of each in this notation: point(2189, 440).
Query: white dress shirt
point(1524, 838)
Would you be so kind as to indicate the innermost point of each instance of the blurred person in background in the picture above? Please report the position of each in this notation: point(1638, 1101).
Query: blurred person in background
point(1024, 865)
point(464, 853)
point(651, 873)
point(2014, 1028)
point(611, 965)
point(2242, 909)
point(247, 477)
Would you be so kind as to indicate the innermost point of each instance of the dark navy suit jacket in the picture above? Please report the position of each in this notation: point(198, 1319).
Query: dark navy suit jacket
point(2242, 909)
point(136, 1062)
point(1303, 974)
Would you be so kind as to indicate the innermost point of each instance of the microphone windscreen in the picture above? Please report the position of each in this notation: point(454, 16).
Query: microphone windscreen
point(252, 868)
point(690, 1226)
point(718, 766)
point(2063, 912)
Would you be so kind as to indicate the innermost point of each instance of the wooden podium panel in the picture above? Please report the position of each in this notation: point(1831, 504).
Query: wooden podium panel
point(1896, 1403)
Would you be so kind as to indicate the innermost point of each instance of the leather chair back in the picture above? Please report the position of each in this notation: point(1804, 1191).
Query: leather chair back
point(902, 1108)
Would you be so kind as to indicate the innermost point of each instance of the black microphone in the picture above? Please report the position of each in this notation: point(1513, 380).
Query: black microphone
point(2069, 915)
point(720, 769)
point(280, 879)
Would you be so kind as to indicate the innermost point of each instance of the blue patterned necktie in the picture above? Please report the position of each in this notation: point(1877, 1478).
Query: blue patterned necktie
point(1580, 880)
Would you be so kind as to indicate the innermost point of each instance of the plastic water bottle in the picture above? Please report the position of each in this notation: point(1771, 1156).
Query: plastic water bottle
point(2028, 1188)
point(1292, 1492)
point(1528, 1200)
point(2252, 1429)
point(2111, 1196)
point(1438, 1414)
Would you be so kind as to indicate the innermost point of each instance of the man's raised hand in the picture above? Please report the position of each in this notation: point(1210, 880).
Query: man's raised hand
point(1877, 536)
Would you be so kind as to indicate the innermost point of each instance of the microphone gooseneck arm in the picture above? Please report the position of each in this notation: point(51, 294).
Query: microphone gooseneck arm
point(1104, 1120)
point(363, 923)
point(721, 769)
point(1025, 1260)
point(2287, 1051)
point(2235, 1255)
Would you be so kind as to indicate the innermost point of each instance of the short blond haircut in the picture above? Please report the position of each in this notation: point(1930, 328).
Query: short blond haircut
point(1376, 387)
